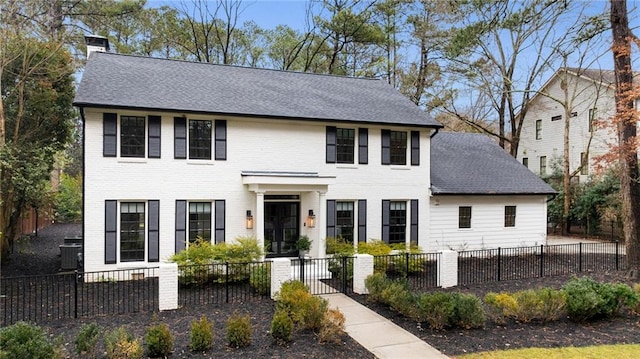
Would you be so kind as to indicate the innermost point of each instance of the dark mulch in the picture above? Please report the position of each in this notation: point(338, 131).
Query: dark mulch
point(41, 256)
point(563, 333)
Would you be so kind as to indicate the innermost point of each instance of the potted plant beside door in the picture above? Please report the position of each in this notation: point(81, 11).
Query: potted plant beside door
point(303, 245)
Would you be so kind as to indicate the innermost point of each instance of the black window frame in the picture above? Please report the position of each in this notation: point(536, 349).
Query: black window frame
point(132, 232)
point(510, 216)
point(525, 161)
point(464, 217)
point(556, 118)
point(200, 139)
point(398, 147)
point(397, 222)
point(199, 221)
point(345, 220)
point(133, 136)
point(345, 145)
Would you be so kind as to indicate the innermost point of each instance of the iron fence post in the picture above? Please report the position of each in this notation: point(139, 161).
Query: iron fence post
point(344, 275)
point(406, 265)
point(617, 259)
point(226, 282)
point(499, 262)
point(580, 257)
point(302, 269)
point(541, 260)
point(75, 294)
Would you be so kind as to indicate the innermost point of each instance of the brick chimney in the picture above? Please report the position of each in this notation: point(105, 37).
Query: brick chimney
point(96, 43)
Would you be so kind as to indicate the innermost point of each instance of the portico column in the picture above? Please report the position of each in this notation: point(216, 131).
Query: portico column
point(260, 219)
point(322, 225)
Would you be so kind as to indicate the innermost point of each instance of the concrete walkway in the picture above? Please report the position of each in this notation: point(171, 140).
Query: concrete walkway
point(378, 334)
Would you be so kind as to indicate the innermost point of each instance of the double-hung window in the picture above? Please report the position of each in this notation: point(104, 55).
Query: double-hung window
point(543, 165)
point(132, 231)
point(200, 139)
point(345, 220)
point(538, 129)
point(464, 217)
point(132, 136)
point(397, 222)
point(398, 148)
point(509, 216)
point(199, 221)
point(345, 138)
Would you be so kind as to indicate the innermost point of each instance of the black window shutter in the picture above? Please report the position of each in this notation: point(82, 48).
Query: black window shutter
point(181, 225)
point(220, 216)
point(109, 134)
point(179, 137)
point(331, 218)
point(362, 220)
point(221, 140)
point(154, 136)
point(154, 231)
point(386, 214)
point(414, 222)
point(386, 147)
point(415, 148)
point(331, 145)
point(363, 146)
point(110, 231)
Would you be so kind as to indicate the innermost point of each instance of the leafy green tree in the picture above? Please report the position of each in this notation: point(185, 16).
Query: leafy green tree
point(68, 199)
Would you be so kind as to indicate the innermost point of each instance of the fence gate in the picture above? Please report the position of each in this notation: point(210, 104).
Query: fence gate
point(325, 275)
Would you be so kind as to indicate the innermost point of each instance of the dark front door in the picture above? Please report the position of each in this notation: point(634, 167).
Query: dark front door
point(281, 228)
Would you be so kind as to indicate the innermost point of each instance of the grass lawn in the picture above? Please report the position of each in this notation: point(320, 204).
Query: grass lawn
point(596, 352)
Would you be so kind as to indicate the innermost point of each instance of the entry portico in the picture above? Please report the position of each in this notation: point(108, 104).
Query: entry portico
point(280, 198)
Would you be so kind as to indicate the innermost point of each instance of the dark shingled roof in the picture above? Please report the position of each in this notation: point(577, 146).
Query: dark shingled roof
point(112, 80)
point(470, 163)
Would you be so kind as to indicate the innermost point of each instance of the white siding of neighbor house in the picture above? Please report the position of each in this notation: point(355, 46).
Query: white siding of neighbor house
point(253, 144)
point(586, 95)
point(487, 222)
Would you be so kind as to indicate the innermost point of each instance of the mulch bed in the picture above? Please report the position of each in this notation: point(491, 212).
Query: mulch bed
point(563, 333)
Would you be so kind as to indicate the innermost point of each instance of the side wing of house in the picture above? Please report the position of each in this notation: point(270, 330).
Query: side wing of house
point(542, 137)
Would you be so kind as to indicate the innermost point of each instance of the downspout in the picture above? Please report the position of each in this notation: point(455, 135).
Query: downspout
point(434, 132)
point(84, 139)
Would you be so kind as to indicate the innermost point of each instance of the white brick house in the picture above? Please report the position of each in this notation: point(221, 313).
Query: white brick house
point(176, 150)
point(542, 139)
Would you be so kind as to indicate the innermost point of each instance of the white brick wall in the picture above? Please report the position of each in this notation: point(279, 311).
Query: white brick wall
point(280, 273)
point(448, 269)
point(168, 286)
point(362, 268)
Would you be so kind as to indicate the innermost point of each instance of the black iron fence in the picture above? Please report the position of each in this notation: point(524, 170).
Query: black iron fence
point(42, 298)
point(490, 265)
point(223, 282)
point(325, 275)
point(420, 269)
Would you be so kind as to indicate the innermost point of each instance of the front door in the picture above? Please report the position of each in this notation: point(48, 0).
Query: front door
point(281, 228)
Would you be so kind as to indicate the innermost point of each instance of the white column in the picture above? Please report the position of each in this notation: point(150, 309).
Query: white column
point(280, 273)
point(448, 269)
point(322, 225)
point(168, 286)
point(362, 268)
point(259, 219)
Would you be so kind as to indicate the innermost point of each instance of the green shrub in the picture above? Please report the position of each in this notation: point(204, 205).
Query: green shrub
point(239, 330)
point(500, 306)
point(201, 336)
point(374, 248)
point(554, 303)
point(332, 328)
point(260, 278)
point(529, 306)
point(87, 339)
point(399, 266)
point(588, 299)
point(159, 340)
point(339, 246)
point(468, 312)
point(436, 309)
point(635, 307)
point(390, 290)
point(402, 300)
point(375, 284)
point(313, 310)
point(68, 199)
point(23, 340)
point(121, 344)
point(281, 327)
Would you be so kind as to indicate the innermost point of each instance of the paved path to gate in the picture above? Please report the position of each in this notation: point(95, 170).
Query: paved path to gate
point(378, 334)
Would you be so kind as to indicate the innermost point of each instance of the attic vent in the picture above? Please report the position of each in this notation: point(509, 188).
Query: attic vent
point(556, 118)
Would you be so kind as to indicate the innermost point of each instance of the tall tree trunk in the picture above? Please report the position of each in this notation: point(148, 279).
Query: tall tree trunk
point(626, 120)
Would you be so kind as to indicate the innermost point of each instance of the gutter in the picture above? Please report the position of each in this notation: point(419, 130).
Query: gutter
point(435, 132)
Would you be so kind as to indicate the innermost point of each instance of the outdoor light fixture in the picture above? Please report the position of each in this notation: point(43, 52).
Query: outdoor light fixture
point(311, 219)
point(249, 220)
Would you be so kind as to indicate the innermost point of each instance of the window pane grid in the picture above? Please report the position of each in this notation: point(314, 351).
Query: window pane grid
point(538, 129)
point(200, 139)
point(464, 217)
point(509, 216)
point(199, 221)
point(397, 222)
point(132, 231)
point(398, 148)
point(345, 145)
point(132, 134)
point(344, 220)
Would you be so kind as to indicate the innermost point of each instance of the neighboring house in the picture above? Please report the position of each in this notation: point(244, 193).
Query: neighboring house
point(177, 150)
point(591, 94)
point(482, 197)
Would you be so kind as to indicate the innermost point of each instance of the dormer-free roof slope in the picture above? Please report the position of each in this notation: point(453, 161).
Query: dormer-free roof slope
point(123, 81)
point(469, 163)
